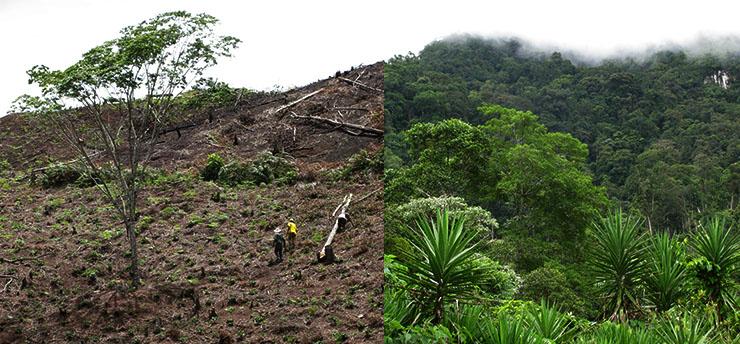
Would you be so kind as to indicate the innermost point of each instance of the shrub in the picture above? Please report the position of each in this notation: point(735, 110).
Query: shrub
point(234, 173)
point(362, 161)
point(501, 282)
point(268, 168)
point(210, 94)
point(551, 283)
point(213, 167)
point(56, 175)
point(265, 169)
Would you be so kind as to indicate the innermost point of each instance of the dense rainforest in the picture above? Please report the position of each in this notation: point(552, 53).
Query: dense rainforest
point(561, 199)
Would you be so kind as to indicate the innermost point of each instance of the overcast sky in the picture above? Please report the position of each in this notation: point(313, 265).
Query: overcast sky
point(292, 43)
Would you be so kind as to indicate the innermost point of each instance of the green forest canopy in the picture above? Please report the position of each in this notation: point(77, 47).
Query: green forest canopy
point(662, 136)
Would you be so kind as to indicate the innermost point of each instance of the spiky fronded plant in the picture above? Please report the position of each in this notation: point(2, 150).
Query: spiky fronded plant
point(466, 321)
point(665, 273)
point(617, 262)
point(684, 329)
point(717, 246)
point(439, 264)
point(507, 330)
point(547, 322)
point(611, 333)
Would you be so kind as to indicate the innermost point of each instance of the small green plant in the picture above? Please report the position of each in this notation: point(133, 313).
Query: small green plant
point(316, 237)
point(217, 238)
point(258, 319)
point(4, 166)
point(168, 212)
point(194, 220)
point(340, 337)
point(89, 273)
point(145, 222)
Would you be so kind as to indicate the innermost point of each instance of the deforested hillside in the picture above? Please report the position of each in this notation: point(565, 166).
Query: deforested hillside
point(208, 271)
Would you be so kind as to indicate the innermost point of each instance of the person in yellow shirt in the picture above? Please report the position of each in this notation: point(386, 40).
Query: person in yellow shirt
point(292, 234)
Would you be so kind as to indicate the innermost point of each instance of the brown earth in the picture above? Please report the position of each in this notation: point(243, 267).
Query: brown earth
point(206, 277)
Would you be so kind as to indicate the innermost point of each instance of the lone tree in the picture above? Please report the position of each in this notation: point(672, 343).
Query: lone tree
point(111, 104)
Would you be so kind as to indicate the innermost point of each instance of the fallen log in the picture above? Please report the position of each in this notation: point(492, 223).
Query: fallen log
point(367, 131)
point(326, 255)
point(361, 85)
point(293, 103)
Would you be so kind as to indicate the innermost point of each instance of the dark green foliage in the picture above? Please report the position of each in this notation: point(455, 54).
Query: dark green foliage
point(56, 175)
point(234, 173)
point(269, 168)
point(210, 94)
point(60, 174)
point(213, 167)
point(552, 283)
point(362, 161)
point(532, 178)
point(266, 168)
point(661, 135)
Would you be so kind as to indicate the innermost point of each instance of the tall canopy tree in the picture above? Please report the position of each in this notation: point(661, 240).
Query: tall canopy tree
point(532, 179)
point(114, 100)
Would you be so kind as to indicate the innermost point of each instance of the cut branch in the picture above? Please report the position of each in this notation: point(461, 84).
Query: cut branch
point(16, 260)
point(326, 255)
point(368, 195)
point(361, 85)
point(367, 131)
point(7, 284)
point(293, 103)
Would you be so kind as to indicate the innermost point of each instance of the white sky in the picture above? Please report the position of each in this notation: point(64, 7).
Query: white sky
point(292, 43)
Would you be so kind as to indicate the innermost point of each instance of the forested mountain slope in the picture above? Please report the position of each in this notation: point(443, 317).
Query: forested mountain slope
point(662, 129)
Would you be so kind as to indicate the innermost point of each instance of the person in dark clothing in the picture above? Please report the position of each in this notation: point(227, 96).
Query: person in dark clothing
point(278, 242)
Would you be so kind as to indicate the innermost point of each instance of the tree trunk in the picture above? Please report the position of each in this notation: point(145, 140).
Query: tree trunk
point(131, 232)
point(326, 255)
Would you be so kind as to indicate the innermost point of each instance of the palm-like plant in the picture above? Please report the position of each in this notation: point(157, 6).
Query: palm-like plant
point(611, 333)
point(718, 248)
point(398, 310)
point(466, 320)
point(438, 265)
point(665, 272)
point(548, 323)
point(684, 329)
point(617, 262)
point(506, 330)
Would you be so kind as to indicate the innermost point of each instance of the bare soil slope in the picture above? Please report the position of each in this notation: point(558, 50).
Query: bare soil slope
point(205, 248)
